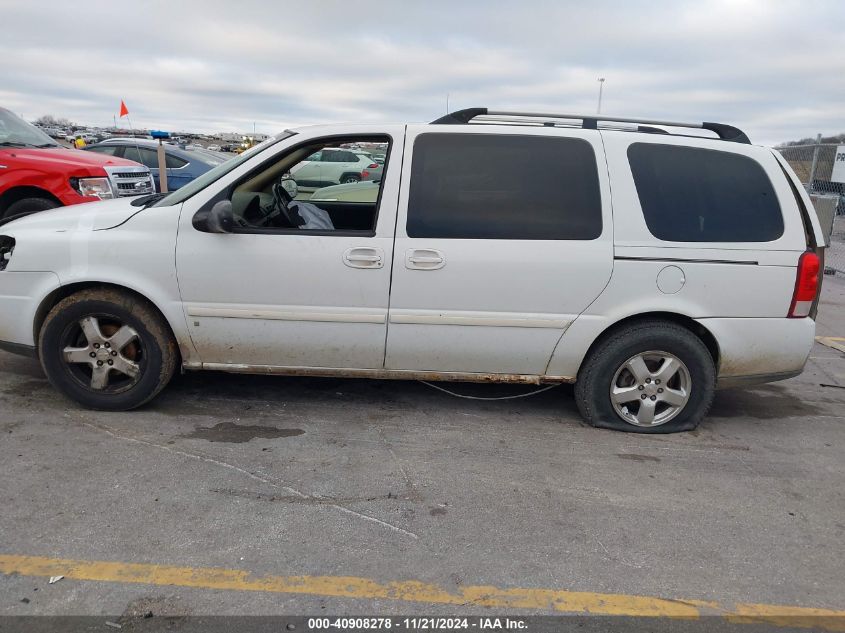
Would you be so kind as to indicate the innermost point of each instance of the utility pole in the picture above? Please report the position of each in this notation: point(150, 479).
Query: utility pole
point(447, 103)
point(601, 86)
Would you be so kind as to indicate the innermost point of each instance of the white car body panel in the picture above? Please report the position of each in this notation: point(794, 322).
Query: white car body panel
point(496, 306)
point(761, 347)
point(288, 300)
point(633, 290)
point(19, 299)
point(139, 256)
point(94, 216)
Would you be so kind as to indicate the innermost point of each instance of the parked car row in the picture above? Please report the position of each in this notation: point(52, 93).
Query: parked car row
point(36, 173)
point(39, 174)
point(182, 164)
point(88, 137)
point(335, 166)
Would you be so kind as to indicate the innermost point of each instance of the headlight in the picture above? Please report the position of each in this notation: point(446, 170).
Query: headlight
point(96, 187)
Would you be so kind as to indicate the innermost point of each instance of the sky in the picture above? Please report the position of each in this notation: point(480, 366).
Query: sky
point(774, 68)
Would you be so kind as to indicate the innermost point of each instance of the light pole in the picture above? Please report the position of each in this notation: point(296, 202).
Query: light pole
point(601, 85)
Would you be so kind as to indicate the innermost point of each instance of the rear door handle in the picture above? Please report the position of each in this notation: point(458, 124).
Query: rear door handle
point(424, 259)
point(363, 257)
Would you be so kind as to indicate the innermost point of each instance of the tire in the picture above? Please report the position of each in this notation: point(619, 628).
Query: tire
point(349, 178)
point(688, 393)
point(30, 205)
point(133, 364)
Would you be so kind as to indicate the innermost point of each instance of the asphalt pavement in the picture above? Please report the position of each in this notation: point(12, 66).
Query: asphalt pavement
point(271, 495)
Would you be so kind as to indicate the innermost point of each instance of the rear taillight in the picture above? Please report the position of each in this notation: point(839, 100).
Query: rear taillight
point(372, 166)
point(365, 174)
point(806, 286)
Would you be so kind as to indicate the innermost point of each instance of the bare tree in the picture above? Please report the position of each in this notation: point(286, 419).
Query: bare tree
point(48, 120)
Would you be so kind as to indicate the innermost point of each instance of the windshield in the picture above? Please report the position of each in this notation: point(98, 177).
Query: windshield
point(183, 193)
point(15, 132)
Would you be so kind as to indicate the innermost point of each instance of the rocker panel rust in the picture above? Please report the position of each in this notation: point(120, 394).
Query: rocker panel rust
point(389, 374)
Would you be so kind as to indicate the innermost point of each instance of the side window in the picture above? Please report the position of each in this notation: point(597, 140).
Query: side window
point(315, 157)
point(508, 187)
point(173, 162)
point(289, 193)
point(334, 156)
point(111, 150)
point(690, 194)
point(143, 155)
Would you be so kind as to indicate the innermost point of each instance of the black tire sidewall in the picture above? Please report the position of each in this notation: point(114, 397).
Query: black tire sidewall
point(50, 352)
point(30, 205)
point(608, 359)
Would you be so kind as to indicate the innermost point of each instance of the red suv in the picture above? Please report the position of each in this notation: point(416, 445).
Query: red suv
point(36, 173)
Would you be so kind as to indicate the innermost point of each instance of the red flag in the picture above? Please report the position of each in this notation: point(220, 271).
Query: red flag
point(124, 111)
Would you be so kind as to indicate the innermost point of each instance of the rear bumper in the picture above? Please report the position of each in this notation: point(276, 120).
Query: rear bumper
point(21, 294)
point(753, 351)
point(730, 382)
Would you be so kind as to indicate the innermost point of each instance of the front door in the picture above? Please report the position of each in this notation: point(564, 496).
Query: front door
point(278, 292)
point(503, 237)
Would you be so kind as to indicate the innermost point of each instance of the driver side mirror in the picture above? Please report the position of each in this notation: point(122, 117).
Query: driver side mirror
point(218, 219)
point(289, 185)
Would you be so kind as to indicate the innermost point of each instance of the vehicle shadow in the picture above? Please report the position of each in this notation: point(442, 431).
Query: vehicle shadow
point(384, 392)
point(197, 393)
point(764, 402)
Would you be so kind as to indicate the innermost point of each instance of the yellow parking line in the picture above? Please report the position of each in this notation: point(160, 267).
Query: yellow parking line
point(572, 602)
point(834, 342)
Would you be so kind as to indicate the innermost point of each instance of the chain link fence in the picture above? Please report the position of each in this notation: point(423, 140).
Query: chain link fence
point(813, 164)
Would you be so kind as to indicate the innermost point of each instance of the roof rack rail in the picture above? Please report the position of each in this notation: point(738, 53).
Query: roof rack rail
point(591, 121)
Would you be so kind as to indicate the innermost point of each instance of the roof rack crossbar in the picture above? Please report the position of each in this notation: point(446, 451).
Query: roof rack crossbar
point(591, 121)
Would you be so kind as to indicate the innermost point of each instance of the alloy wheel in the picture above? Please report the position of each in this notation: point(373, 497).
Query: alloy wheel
point(650, 388)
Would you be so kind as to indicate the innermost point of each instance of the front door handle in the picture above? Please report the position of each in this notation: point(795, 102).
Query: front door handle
point(363, 257)
point(424, 259)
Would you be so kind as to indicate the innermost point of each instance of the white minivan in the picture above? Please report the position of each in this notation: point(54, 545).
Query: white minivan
point(641, 260)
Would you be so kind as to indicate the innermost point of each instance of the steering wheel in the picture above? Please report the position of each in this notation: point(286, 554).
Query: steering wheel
point(282, 199)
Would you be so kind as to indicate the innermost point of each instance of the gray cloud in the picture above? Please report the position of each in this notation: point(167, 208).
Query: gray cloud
point(772, 67)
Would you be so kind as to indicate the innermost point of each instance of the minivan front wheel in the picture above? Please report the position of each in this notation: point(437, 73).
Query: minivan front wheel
point(651, 377)
point(107, 349)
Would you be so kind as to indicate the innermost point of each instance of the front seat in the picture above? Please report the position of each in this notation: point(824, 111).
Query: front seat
point(313, 217)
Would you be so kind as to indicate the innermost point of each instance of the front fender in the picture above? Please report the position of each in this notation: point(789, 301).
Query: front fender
point(54, 183)
point(21, 294)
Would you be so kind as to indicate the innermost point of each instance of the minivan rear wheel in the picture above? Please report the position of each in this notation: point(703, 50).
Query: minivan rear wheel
point(650, 377)
point(107, 349)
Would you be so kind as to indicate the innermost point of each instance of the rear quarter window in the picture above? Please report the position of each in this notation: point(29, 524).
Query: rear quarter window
point(174, 162)
point(501, 186)
point(691, 194)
